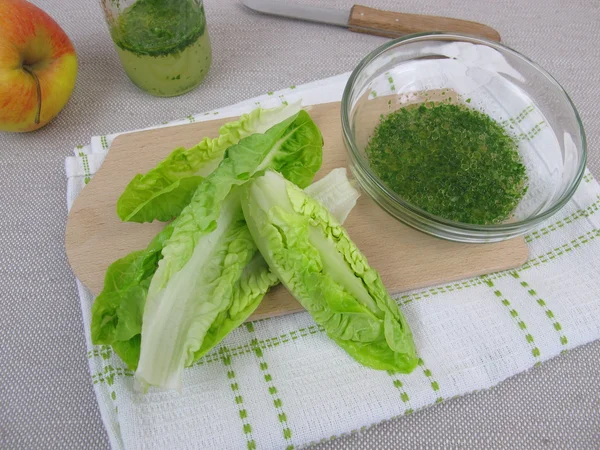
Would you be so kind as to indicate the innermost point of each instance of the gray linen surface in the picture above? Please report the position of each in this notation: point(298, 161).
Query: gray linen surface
point(46, 397)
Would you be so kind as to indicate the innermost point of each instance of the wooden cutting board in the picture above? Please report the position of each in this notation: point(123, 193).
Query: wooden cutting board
point(405, 258)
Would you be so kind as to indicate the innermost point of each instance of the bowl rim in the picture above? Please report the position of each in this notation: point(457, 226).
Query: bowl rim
point(392, 196)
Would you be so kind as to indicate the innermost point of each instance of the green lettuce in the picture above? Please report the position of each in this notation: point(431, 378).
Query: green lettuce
point(313, 256)
point(164, 191)
point(210, 246)
point(339, 196)
point(248, 291)
point(117, 312)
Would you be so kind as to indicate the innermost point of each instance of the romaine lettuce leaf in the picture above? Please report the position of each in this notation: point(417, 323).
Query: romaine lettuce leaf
point(176, 320)
point(164, 191)
point(313, 256)
point(336, 193)
point(121, 303)
point(292, 147)
point(210, 246)
point(248, 292)
point(117, 311)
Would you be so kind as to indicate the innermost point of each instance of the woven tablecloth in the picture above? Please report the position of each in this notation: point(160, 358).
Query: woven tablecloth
point(45, 395)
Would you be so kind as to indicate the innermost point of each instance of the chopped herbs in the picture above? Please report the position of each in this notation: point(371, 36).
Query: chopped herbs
point(159, 27)
point(449, 160)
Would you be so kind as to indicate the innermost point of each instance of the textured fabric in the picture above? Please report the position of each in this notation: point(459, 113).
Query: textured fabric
point(46, 398)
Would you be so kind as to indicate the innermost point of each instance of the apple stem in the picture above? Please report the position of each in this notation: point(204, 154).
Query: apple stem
point(39, 92)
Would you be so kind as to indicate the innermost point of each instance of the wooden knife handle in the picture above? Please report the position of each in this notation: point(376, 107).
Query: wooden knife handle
point(393, 24)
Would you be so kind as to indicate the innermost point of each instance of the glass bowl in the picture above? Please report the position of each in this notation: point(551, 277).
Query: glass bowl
point(483, 75)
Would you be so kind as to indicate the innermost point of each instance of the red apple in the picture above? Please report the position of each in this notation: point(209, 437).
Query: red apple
point(38, 67)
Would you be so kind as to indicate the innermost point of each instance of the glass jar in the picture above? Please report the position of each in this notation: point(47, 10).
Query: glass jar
point(163, 44)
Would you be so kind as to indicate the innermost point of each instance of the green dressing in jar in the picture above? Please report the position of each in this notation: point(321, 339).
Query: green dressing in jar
point(163, 45)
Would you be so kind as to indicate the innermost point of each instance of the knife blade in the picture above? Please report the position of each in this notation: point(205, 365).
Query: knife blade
point(363, 19)
point(297, 11)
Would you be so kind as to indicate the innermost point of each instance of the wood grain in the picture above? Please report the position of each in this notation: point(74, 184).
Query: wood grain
point(406, 258)
point(394, 24)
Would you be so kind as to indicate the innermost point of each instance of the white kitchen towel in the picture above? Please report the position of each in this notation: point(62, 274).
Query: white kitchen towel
point(281, 383)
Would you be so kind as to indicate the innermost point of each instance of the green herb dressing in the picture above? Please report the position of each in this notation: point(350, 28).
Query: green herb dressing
point(163, 45)
point(449, 160)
